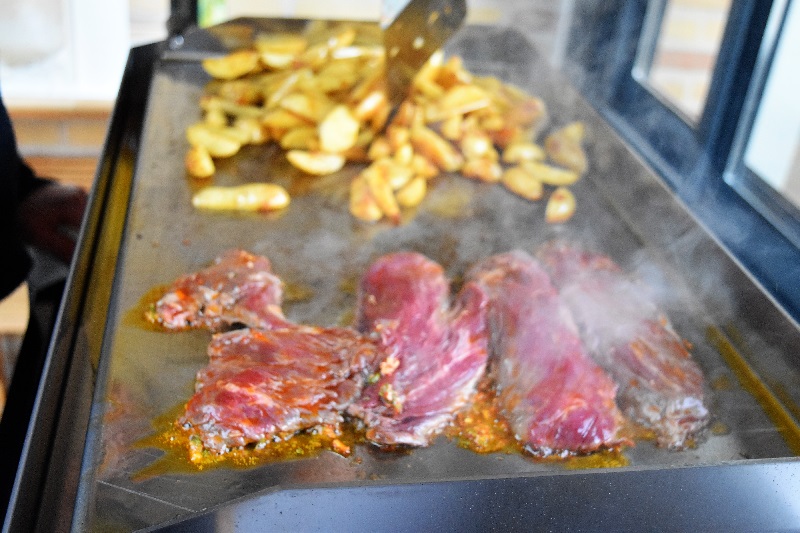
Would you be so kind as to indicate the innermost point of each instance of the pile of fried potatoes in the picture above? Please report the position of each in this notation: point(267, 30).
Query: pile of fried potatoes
point(321, 97)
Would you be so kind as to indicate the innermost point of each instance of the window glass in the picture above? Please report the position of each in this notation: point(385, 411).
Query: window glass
point(773, 151)
point(679, 65)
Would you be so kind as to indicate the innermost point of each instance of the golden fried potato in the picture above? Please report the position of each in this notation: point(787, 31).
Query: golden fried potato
point(199, 163)
point(250, 197)
point(517, 152)
point(279, 121)
point(239, 134)
point(315, 163)
point(280, 51)
point(458, 100)
point(338, 131)
point(452, 73)
point(255, 132)
point(301, 138)
point(379, 149)
point(395, 174)
point(437, 149)
point(397, 136)
point(286, 43)
point(216, 118)
point(404, 155)
point(412, 194)
point(233, 65)
point(381, 191)
point(519, 181)
point(231, 108)
point(423, 167)
point(564, 147)
point(478, 145)
point(362, 205)
point(370, 105)
point(241, 91)
point(218, 142)
point(313, 108)
point(453, 128)
point(549, 174)
point(356, 51)
point(560, 207)
point(482, 169)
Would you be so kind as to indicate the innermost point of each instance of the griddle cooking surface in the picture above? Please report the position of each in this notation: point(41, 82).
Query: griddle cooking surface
point(317, 246)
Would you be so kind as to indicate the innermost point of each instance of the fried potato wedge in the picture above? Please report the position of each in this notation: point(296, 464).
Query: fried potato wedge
point(549, 174)
point(285, 43)
point(232, 66)
point(199, 163)
point(362, 205)
point(315, 163)
point(381, 191)
point(338, 131)
point(477, 145)
point(412, 194)
point(370, 105)
point(437, 149)
point(250, 197)
point(231, 108)
point(517, 152)
point(312, 108)
point(564, 147)
point(255, 132)
point(280, 51)
point(301, 138)
point(393, 173)
point(458, 100)
point(523, 183)
point(241, 91)
point(560, 206)
point(279, 121)
point(216, 141)
point(483, 169)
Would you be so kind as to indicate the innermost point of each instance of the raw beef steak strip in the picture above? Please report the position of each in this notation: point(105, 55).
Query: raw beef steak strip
point(238, 288)
point(557, 400)
point(261, 385)
point(435, 353)
point(660, 386)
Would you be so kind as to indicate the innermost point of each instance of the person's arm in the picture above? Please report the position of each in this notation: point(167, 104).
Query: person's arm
point(36, 211)
point(50, 216)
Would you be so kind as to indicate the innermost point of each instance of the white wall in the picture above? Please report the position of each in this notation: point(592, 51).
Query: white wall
point(55, 51)
point(77, 49)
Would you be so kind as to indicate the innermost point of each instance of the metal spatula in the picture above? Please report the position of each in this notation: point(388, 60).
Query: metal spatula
point(419, 28)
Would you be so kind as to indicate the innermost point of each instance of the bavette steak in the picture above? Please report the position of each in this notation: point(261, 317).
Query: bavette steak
point(556, 399)
point(660, 386)
point(261, 385)
point(435, 353)
point(238, 288)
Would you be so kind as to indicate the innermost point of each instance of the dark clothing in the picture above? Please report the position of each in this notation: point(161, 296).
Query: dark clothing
point(16, 183)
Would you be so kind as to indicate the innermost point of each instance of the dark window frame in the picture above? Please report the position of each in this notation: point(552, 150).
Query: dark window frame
point(600, 59)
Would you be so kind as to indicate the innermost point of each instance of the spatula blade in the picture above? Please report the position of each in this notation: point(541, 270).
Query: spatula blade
point(421, 28)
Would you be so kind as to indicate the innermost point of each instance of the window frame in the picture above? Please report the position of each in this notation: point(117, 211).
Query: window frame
point(601, 60)
point(772, 205)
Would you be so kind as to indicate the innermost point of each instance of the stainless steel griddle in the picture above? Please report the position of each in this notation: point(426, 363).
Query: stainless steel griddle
point(108, 377)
